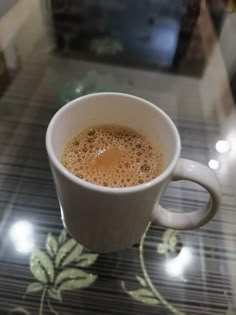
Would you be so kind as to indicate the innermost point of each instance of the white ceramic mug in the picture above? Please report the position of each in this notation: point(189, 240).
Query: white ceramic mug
point(106, 219)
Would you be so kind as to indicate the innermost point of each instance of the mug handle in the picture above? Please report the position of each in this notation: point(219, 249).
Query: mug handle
point(202, 175)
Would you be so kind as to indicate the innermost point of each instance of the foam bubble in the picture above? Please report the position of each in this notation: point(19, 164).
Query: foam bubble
point(91, 132)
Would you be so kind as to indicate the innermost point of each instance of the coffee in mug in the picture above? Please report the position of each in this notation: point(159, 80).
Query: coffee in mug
point(113, 156)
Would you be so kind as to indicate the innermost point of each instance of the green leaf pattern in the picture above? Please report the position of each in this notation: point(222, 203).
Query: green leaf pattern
point(78, 283)
point(148, 293)
point(86, 260)
point(41, 266)
point(73, 255)
point(19, 310)
point(141, 281)
point(55, 294)
point(52, 271)
point(68, 274)
point(51, 245)
point(34, 287)
point(65, 250)
point(169, 242)
point(145, 296)
point(62, 237)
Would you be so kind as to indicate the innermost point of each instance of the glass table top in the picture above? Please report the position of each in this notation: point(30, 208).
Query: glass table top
point(182, 58)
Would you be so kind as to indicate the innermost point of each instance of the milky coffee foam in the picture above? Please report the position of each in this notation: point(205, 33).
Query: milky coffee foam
point(112, 155)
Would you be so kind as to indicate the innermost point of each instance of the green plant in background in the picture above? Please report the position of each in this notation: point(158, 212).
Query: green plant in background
point(59, 269)
point(106, 46)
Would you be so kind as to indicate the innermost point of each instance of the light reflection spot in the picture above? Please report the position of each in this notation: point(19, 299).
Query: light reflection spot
point(21, 234)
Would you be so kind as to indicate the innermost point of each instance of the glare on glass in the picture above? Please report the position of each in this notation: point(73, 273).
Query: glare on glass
point(175, 267)
point(21, 234)
point(222, 146)
point(214, 164)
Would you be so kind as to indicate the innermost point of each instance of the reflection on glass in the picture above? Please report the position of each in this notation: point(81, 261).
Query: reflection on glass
point(214, 164)
point(165, 36)
point(175, 267)
point(222, 146)
point(21, 234)
point(79, 88)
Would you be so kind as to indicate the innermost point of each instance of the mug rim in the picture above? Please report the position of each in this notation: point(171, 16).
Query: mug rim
point(104, 189)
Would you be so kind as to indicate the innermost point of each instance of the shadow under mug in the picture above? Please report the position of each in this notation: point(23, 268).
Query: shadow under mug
point(106, 219)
